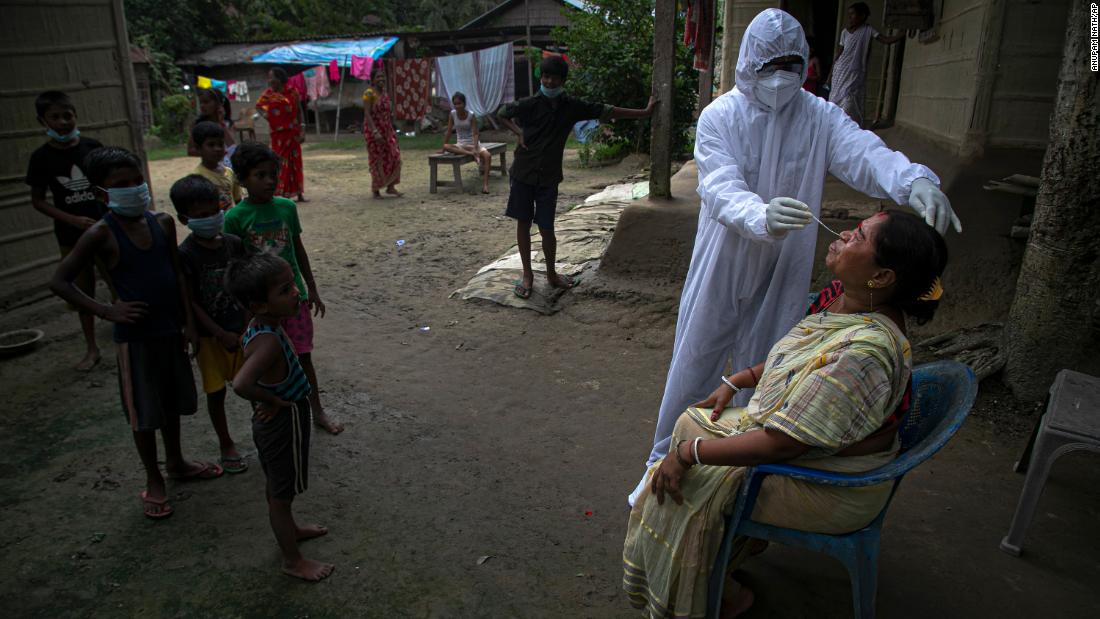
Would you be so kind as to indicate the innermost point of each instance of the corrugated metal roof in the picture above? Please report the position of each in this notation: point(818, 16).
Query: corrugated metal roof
point(576, 4)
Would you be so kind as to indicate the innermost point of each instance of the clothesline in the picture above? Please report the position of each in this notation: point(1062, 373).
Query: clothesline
point(486, 77)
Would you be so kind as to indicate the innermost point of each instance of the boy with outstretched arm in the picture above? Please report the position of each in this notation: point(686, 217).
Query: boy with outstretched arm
point(204, 255)
point(153, 322)
point(267, 223)
point(545, 121)
point(57, 166)
point(209, 139)
point(275, 382)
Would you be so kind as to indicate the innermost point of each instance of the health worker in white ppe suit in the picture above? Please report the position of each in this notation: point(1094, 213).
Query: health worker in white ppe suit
point(763, 150)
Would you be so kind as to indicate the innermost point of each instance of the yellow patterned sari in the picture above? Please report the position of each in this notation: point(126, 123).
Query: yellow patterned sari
point(829, 383)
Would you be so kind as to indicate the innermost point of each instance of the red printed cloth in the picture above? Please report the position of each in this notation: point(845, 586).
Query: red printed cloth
point(281, 111)
point(412, 83)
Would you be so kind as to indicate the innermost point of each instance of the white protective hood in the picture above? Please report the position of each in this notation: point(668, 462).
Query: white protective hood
point(745, 289)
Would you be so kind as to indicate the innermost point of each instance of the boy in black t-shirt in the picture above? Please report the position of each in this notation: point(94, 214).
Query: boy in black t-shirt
point(545, 120)
point(204, 256)
point(57, 166)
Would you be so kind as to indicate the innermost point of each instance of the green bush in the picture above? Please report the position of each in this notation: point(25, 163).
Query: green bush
point(611, 50)
point(173, 119)
point(603, 147)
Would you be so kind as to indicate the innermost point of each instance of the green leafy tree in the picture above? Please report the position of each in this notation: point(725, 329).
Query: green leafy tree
point(611, 47)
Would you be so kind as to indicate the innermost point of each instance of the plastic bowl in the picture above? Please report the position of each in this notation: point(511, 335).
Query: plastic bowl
point(19, 341)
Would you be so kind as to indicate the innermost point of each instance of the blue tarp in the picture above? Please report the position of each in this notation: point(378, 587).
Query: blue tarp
point(324, 52)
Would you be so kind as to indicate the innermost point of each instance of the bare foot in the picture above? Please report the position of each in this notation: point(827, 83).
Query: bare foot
point(311, 531)
point(560, 281)
point(738, 603)
point(328, 424)
point(308, 569)
point(393, 191)
point(302, 198)
point(376, 196)
point(90, 360)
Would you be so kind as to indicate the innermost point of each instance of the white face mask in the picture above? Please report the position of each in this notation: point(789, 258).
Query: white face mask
point(774, 91)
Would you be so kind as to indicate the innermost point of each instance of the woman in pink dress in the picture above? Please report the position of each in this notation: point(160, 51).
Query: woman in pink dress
point(382, 149)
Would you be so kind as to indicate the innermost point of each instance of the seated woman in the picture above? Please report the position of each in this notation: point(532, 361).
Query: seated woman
point(463, 123)
point(825, 399)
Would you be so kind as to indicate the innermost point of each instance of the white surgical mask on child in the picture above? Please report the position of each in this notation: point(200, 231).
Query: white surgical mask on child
point(207, 227)
point(550, 92)
point(128, 201)
point(68, 137)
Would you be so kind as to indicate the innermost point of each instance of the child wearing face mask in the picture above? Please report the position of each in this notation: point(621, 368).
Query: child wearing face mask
point(545, 121)
point(56, 166)
point(153, 318)
point(204, 256)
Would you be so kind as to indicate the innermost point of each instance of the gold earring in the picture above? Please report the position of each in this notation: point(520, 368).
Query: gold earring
point(870, 283)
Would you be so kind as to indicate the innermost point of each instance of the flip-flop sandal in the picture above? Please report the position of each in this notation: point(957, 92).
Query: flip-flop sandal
point(209, 471)
point(567, 280)
point(233, 466)
point(522, 291)
point(148, 502)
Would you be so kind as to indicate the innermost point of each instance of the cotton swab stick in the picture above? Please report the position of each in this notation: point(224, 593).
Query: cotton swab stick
point(822, 224)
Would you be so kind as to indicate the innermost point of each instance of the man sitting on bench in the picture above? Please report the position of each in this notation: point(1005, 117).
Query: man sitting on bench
point(462, 122)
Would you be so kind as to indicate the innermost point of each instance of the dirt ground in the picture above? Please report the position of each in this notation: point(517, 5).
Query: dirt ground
point(497, 433)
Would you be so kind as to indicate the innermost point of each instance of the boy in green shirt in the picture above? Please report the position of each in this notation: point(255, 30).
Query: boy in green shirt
point(270, 224)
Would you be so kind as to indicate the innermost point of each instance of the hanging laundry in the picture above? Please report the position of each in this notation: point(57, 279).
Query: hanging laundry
point(361, 67)
point(412, 87)
point(207, 83)
point(238, 90)
point(333, 72)
point(317, 86)
point(298, 84)
point(699, 30)
point(486, 77)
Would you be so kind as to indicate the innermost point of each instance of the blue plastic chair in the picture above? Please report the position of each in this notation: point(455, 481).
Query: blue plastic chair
point(943, 393)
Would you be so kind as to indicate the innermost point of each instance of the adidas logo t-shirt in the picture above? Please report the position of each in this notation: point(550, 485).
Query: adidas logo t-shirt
point(61, 171)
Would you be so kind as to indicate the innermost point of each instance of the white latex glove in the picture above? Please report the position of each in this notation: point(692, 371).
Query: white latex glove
point(931, 204)
point(786, 214)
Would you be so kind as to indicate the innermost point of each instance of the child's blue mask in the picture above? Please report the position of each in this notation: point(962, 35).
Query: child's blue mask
point(128, 201)
point(550, 92)
point(207, 227)
point(68, 137)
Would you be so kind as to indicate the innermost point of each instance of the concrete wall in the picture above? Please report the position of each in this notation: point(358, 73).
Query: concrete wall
point(938, 81)
point(81, 49)
point(1027, 78)
point(989, 79)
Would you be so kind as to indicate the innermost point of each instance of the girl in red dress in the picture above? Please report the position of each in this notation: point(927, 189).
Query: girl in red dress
point(282, 109)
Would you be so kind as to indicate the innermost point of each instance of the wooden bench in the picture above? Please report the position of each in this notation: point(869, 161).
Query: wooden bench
point(456, 161)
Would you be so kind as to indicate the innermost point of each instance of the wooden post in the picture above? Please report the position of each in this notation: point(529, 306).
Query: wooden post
point(527, 54)
point(660, 142)
point(729, 48)
point(706, 77)
point(339, 99)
